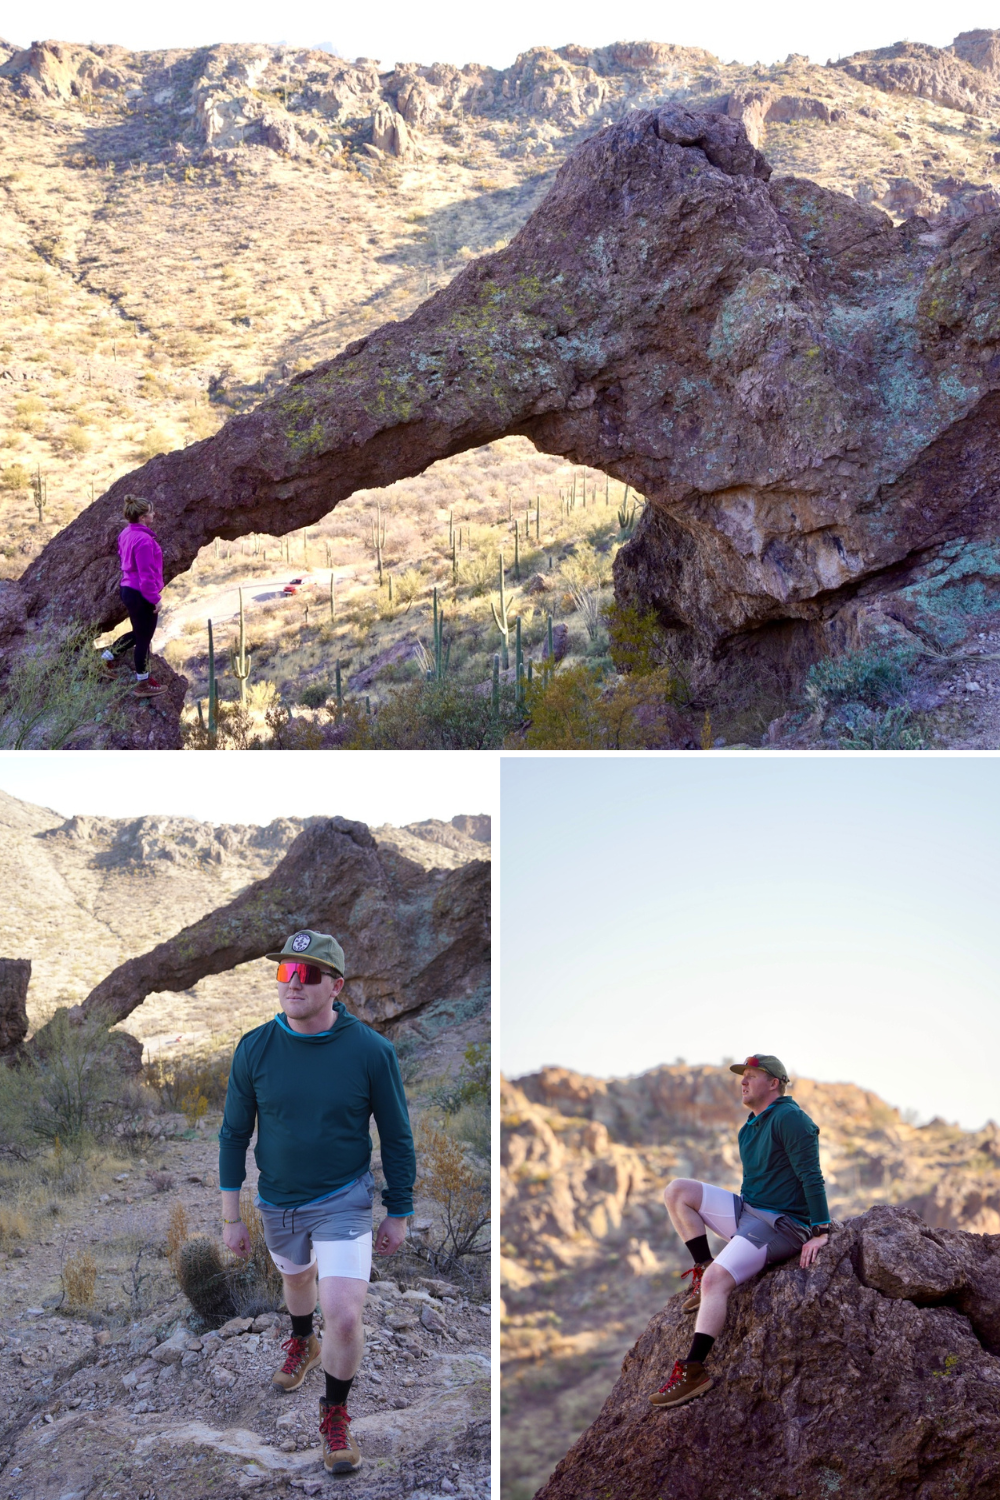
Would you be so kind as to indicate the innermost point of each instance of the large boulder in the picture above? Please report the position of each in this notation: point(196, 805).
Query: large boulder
point(874, 1375)
point(807, 396)
point(412, 936)
point(15, 975)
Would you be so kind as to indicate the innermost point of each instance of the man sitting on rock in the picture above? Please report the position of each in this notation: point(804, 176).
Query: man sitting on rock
point(780, 1211)
point(310, 1080)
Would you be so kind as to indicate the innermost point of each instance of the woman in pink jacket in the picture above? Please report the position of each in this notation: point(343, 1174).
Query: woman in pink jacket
point(141, 586)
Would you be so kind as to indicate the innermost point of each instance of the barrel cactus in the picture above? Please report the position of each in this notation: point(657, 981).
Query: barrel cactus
point(204, 1280)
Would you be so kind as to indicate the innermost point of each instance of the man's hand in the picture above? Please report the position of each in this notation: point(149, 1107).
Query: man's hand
point(236, 1238)
point(389, 1236)
point(811, 1249)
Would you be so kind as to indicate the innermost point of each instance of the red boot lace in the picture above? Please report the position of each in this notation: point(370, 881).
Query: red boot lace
point(333, 1426)
point(676, 1376)
point(297, 1351)
point(695, 1273)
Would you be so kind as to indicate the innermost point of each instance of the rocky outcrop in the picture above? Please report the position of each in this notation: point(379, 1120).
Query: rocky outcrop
point(740, 350)
point(874, 1374)
point(963, 76)
point(15, 975)
point(412, 936)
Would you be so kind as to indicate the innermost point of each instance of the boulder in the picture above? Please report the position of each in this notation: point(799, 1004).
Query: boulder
point(731, 345)
point(15, 974)
point(873, 1374)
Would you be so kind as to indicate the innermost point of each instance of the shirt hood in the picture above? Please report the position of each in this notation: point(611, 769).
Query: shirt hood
point(344, 1019)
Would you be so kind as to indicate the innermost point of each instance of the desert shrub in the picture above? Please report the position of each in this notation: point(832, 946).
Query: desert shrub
point(56, 696)
point(199, 1075)
point(634, 638)
point(14, 477)
point(868, 729)
point(70, 1088)
point(256, 1281)
point(79, 439)
point(316, 694)
point(874, 676)
point(178, 1234)
point(157, 440)
point(458, 1182)
point(471, 1085)
point(79, 1277)
point(13, 1225)
point(572, 709)
point(438, 716)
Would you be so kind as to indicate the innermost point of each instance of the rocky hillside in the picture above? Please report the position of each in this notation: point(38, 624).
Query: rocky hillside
point(588, 1256)
point(84, 894)
point(181, 232)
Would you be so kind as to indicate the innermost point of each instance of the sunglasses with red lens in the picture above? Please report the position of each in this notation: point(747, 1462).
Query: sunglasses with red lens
point(308, 973)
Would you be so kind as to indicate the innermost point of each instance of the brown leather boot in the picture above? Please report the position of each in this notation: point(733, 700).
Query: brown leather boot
point(687, 1380)
point(341, 1454)
point(692, 1302)
point(303, 1356)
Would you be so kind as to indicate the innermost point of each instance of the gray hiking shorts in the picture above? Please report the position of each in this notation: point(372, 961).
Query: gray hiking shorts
point(757, 1237)
point(333, 1234)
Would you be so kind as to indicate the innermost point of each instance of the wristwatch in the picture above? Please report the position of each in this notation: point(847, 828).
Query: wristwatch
point(816, 1229)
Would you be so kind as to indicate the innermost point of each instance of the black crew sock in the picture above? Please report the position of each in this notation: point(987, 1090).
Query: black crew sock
point(701, 1345)
point(302, 1325)
point(700, 1252)
point(336, 1390)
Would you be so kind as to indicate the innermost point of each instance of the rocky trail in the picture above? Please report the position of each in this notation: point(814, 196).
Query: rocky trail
point(139, 1399)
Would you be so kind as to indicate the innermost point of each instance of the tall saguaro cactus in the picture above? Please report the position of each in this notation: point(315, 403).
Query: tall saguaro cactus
point(503, 624)
point(213, 698)
point(378, 537)
point(240, 657)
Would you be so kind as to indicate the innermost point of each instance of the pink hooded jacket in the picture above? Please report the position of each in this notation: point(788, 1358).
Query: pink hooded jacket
point(142, 561)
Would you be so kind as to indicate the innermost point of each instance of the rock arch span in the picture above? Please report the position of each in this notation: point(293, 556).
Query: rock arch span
point(806, 395)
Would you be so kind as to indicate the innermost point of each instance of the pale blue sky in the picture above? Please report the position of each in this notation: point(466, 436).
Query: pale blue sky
point(839, 911)
point(455, 33)
point(387, 786)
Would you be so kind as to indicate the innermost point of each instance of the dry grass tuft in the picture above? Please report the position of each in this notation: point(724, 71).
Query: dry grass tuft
point(79, 1277)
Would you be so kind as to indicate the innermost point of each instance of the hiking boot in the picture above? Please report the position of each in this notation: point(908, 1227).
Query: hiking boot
point(687, 1380)
point(149, 688)
point(303, 1356)
point(341, 1454)
point(692, 1302)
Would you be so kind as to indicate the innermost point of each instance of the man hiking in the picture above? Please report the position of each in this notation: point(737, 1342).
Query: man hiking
point(310, 1079)
point(780, 1211)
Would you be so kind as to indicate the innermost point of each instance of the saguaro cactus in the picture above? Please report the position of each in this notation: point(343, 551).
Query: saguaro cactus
point(213, 700)
point(503, 624)
point(240, 657)
point(378, 537)
point(496, 682)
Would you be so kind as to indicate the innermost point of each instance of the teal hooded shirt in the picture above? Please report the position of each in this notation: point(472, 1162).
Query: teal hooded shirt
point(779, 1150)
point(311, 1098)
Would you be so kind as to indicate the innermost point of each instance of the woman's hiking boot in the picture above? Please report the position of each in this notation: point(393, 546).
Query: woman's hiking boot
point(341, 1454)
point(148, 688)
point(687, 1380)
point(303, 1356)
point(692, 1302)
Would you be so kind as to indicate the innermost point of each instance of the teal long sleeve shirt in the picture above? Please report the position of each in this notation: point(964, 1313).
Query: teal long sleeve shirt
point(311, 1098)
point(779, 1150)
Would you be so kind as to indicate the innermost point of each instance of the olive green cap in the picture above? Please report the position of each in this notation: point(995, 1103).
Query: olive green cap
point(772, 1065)
point(309, 947)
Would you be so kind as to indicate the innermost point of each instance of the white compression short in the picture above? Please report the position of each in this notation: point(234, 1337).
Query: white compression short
point(718, 1213)
point(351, 1258)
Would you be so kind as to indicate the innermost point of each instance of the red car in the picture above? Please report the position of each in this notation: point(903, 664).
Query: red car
point(293, 587)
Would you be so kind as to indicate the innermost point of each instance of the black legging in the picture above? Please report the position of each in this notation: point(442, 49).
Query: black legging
point(143, 617)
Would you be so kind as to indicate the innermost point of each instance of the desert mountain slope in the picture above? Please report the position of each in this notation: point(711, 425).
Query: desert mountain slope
point(85, 894)
point(181, 232)
point(588, 1256)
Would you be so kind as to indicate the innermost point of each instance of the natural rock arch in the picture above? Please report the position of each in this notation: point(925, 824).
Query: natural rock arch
point(412, 937)
point(806, 395)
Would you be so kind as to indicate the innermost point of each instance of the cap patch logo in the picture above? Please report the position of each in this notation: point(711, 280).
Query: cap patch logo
point(300, 942)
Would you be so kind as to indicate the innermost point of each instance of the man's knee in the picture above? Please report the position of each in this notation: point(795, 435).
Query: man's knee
point(299, 1278)
point(681, 1190)
point(717, 1279)
point(342, 1322)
